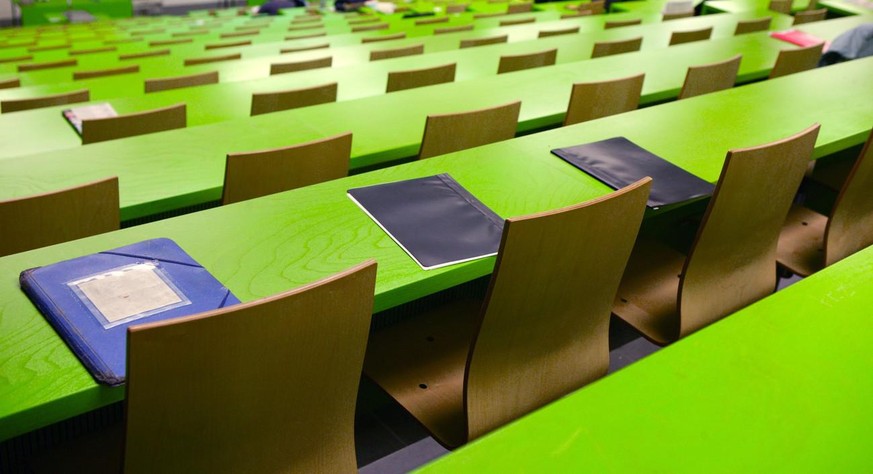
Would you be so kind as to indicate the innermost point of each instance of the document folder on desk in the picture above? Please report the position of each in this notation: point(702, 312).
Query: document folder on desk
point(618, 162)
point(797, 37)
point(434, 219)
point(76, 115)
point(91, 300)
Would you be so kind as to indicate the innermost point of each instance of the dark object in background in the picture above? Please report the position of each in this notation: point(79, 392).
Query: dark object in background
point(853, 44)
point(272, 7)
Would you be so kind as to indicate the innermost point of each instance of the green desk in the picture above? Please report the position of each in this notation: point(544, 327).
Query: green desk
point(847, 7)
point(781, 386)
point(263, 246)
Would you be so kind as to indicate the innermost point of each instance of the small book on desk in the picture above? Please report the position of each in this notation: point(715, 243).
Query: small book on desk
point(76, 115)
point(434, 219)
point(618, 162)
point(91, 300)
point(797, 37)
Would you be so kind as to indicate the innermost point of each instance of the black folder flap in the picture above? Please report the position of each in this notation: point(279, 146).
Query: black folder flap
point(619, 162)
point(434, 219)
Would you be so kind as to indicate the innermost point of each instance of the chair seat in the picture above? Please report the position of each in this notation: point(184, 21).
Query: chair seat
point(652, 277)
point(421, 361)
point(801, 242)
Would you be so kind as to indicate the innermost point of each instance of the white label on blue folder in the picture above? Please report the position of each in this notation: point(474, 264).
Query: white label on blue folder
point(128, 293)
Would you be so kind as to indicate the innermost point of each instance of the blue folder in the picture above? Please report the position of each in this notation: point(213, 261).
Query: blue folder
point(91, 300)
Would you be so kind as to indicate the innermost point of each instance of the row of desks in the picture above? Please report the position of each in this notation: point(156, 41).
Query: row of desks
point(267, 245)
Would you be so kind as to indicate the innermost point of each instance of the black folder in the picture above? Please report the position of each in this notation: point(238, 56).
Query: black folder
point(618, 162)
point(434, 219)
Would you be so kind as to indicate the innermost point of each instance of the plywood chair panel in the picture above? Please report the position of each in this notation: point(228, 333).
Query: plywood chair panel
point(593, 100)
point(47, 65)
point(676, 16)
point(791, 61)
point(269, 102)
point(144, 54)
point(618, 24)
point(176, 82)
point(453, 132)
point(519, 7)
point(431, 21)
point(519, 62)
point(375, 39)
point(379, 26)
point(298, 49)
point(679, 37)
point(402, 80)
point(79, 75)
point(456, 8)
point(102, 49)
point(608, 48)
point(10, 83)
point(16, 105)
point(59, 216)
point(580, 13)
point(810, 16)
point(751, 26)
point(712, 77)
point(231, 44)
point(255, 174)
point(264, 386)
point(140, 123)
point(780, 6)
point(473, 42)
point(397, 52)
point(563, 31)
point(283, 68)
point(452, 29)
point(171, 42)
point(212, 59)
point(516, 21)
point(310, 35)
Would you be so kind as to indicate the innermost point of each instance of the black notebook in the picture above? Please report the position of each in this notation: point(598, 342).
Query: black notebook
point(619, 162)
point(434, 219)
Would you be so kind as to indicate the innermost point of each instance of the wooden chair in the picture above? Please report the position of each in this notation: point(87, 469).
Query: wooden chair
point(456, 8)
point(397, 52)
point(59, 216)
point(212, 59)
point(176, 82)
point(306, 36)
point(519, 62)
point(810, 241)
point(453, 132)
point(679, 37)
point(751, 26)
point(231, 44)
point(810, 16)
point(101, 49)
point(452, 29)
point(402, 80)
point(676, 16)
point(47, 65)
point(432, 20)
point(10, 83)
point(791, 61)
point(596, 7)
point(298, 49)
point(608, 48)
point(140, 123)
point(379, 26)
point(264, 386)
point(256, 174)
point(593, 100)
point(473, 42)
point(780, 6)
point(375, 39)
point(565, 16)
point(268, 102)
point(80, 75)
point(541, 332)
point(16, 105)
point(732, 262)
point(618, 24)
point(239, 34)
point(516, 21)
point(170, 42)
point(563, 31)
point(711, 77)
point(144, 54)
point(524, 7)
point(16, 59)
point(284, 68)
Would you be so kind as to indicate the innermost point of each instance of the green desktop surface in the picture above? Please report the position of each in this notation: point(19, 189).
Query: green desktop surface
point(263, 246)
point(847, 7)
point(781, 386)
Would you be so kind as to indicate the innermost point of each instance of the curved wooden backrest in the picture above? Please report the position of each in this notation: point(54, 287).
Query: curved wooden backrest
point(456, 8)
point(47, 65)
point(140, 123)
point(711, 77)
point(264, 386)
point(473, 42)
point(212, 59)
point(676, 16)
point(780, 6)
point(751, 26)
point(305, 26)
point(268, 102)
point(59, 216)
point(516, 21)
point(79, 75)
point(363, 21)
point(608, 48)
point(452, 29)
point(304, 48)
point(171, 42)
point(283, 68)
point(231, 44)
point(430, 21)
point(519, 7)
point(10, 83)
point(564, 31)
point(732, 262)
point(376, 39)
point(577, 14)
point(810, 16)
point(518, 62)
point(545, 323)
point(791, 61)
point(477, 16)
point(306, 19)
point(679, 37)
point(237, 34)
point(595, 7)
point(397, 52)
point(166, 83)
point(618, 24)
point(52, 47)
point(311, 35)
point(593, 100)
point(15, 105)
point(15, 59)
point(144, 54)
point(259, 173)
point(453, 132)
point(850, 226)
point(102, 49)
point(185, 34)
point(402, 80)
point(378, 26)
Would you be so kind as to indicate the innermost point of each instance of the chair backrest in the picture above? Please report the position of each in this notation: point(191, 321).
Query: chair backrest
point(10, 83)
point(139, 123)
point(231, 44)
point(564, 31)
point(144, 54)
point(298, 49)
point(593, 100)
point(791, 61)
point(101, 49)
point(711, 77)
point(452, 29)
point(264, 386)
point(401, 80)
point(308, 35)
point(378, 26)
point(376, 39)
point(212, 59)
point(577, 14)
point(166, 83)
point(780, 6)
point(545, 323)
point(453, 132)
point(679, 37)
point(47, 65)
point(850, 227)
point(170, 42)
point(397, 52)
point(596, 7)
point(79, 75)
point(456, 8)
point(618, 24)
point(473, 42)
point(59, 216)
point(519, 7)
point(518, 62)
point(269, 102)
point(751, 26)
point(16, 105)
point(732, 262)
point(676, 16)
point(608, 48)
point(810, 16)
point(516, 21)
point(259, 173)
point(317, 63)
point(432, 20)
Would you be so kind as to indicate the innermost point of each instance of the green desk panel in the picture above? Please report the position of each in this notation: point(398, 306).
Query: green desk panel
point(781, 386)
point(847, 7)
point(735, 6)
